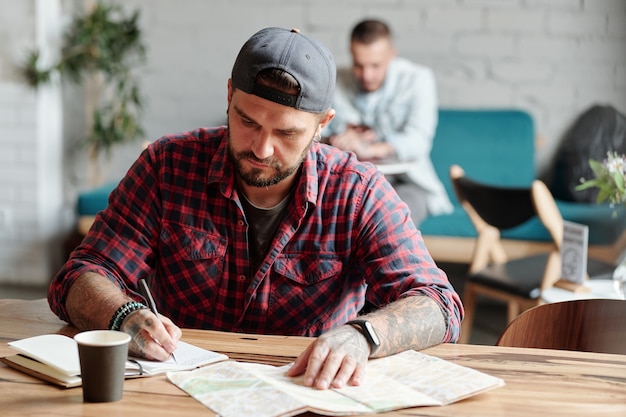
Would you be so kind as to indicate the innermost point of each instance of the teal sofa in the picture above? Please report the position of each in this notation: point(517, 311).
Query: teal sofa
point(498, 147)
point(494, 146)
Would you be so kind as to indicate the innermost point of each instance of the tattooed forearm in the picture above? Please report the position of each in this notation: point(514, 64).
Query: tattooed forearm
point(92, 300)
point(410, 323)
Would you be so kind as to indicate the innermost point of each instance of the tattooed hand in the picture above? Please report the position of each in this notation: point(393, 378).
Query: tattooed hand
point(153, 337)
point(334, 359)
point(340, 356)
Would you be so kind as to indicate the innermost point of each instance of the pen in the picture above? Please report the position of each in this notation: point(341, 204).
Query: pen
point(147, 295)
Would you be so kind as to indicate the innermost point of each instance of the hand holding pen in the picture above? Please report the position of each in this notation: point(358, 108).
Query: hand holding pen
point(147, 295)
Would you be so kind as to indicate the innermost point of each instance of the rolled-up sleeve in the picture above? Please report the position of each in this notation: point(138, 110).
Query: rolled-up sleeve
point(397, 261)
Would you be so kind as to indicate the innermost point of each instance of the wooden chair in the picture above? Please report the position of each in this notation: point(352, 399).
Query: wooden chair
point(591, 325)
point(518, 282)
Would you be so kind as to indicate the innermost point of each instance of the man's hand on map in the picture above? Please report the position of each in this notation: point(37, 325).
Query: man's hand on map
point(334, 359)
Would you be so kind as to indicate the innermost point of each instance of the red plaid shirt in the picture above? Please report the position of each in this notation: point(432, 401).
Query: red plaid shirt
point(177, 217)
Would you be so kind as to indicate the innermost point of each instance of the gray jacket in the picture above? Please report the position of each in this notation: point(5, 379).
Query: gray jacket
point(403, 112)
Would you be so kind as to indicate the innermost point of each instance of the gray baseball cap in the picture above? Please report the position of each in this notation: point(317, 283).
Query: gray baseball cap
point(304, 58)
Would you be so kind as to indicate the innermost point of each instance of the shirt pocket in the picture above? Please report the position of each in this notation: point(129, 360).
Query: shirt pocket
point(308, 269)
point(307, 289)
point(192, 261)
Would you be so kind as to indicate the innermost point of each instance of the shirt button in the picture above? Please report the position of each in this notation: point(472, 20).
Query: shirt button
point(242, 277)
point(240, 223)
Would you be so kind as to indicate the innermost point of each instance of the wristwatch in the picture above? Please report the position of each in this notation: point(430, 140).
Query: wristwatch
point(368, 331)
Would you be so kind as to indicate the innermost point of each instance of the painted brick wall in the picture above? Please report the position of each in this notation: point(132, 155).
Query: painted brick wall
point(18, 174)
point(33, 216)
point(554, 58)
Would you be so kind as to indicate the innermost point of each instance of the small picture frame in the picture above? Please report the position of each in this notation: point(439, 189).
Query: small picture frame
point(574, 252)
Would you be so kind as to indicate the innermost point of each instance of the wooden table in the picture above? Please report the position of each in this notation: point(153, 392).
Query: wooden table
point(391, 166)
point(538, 382)
point(598, 288)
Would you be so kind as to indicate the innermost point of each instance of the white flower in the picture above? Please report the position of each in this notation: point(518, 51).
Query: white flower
point(609, 179)
point(615, 163)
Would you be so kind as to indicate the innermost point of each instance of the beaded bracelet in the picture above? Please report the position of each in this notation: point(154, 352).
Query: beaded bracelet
point(123, 312)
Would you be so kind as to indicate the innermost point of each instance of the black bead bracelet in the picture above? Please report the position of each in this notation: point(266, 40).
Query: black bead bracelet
point(123, 312)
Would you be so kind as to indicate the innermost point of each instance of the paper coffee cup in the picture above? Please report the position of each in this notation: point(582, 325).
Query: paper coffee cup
point(103, 355)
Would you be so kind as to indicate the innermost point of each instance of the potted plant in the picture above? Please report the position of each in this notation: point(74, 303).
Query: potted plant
point(610, 180)
point(99, 51)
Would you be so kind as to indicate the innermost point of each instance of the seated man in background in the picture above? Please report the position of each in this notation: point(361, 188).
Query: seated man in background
point(255, 227)
point(386, 107)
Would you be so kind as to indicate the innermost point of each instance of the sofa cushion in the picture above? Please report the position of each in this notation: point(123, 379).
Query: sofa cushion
point(493, 146)
point(606, 224)
point(596, 131)
point(458, 224)
point(91, 201)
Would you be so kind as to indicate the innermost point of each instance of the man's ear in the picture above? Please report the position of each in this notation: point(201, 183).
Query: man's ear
point(326, 118)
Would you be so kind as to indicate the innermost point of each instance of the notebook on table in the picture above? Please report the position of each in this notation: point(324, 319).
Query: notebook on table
point(54, 358)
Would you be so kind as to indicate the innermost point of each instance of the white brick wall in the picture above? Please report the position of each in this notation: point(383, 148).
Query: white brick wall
point(553, 58)
point(31, 209)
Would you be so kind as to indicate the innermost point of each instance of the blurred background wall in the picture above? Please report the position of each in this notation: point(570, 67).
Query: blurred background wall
point(552, 58)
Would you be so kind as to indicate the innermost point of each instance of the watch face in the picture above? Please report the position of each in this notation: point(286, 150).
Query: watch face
point(372, 333)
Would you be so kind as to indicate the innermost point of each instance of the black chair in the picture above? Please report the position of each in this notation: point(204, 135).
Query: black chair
point(520, 281)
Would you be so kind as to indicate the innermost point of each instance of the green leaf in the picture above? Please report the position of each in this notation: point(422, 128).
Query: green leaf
point(587, 184)
point(603, 195)
point(618, 179)
point(597, 167)
point(105, 43)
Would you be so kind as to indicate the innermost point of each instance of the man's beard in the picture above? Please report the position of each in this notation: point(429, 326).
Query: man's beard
point(253, 177)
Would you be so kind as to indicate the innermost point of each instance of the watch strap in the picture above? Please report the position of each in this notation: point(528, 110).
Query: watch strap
point(368, 331)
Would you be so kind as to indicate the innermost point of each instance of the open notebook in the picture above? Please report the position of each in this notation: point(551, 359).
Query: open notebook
point(54, 358)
